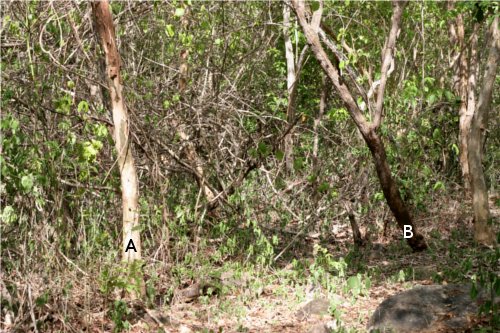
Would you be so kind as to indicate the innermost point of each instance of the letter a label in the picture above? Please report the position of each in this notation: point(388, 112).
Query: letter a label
point(130, 246)
point(407, 231)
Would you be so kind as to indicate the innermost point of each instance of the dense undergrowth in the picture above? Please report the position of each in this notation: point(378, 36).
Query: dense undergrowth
point(236, 267)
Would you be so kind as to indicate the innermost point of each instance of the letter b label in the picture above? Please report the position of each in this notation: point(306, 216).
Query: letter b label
point(407, 233)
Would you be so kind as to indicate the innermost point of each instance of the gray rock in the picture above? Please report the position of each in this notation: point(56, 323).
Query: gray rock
point(427, 308)
point(326, 327)
point(316, 307)
point(319, 328)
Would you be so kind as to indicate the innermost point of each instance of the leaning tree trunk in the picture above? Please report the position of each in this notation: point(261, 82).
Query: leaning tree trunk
point(368, 129)
point(131, 243)
point(483, 232)
point(390, 189)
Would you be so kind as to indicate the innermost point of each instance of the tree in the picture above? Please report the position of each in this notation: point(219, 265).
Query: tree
point(483, 232)
point(292, 78)
point(125, 160)
point(369, 129)
point(460, 85)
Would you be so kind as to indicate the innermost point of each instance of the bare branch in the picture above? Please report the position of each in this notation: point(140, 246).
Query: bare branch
point(387, 58)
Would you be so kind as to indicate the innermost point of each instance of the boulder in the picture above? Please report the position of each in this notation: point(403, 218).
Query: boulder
point(431, 308)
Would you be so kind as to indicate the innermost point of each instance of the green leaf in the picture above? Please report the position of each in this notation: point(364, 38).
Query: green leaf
point(438, 186)
point(263, 149)
point(9, 215)
point(83, 106)
point(431, 99)
point(179, 12)
point(436, 134)
point(298, 163)
point(169, 30)
point(100, 131)
point(324, 187)
point(314, 5)
point(368, 282)
point(279, 155)
point(27, 182)
point(14, 125)
point(166, 104)
point(90, 149)
point(354, 284)
point(449, 95)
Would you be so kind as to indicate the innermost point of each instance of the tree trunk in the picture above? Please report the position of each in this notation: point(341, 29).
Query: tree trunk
point(356, 233)
point(467, 107)
point(125, 159)
point(317, 121)
point(391, 191)
point(483, 233)
point(460, 86)
point(367, 129)
point(291, 84)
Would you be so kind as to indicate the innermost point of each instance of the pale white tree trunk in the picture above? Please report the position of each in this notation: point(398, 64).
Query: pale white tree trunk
point(290, 83)
point(125, 159)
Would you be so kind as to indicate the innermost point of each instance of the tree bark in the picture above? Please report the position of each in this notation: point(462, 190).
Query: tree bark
point(290, 84)
point(317, 122)
point(293, 68)
point(391, 191)
point(367, 129)
point(460, 87)
point(125, 159)
point(467, 107)
point(483, 233)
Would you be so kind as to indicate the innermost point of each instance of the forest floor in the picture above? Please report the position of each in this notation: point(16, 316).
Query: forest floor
point(241, 298)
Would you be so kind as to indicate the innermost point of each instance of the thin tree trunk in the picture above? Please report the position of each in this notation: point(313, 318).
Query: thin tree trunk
point(483, 232)
point(391, 191)
point(317, 121)
point(121, 121)
point(367, 129)
point(316, 124)
point(356, 233)
point(291, 79)
point(460, 86)
point(467, 107)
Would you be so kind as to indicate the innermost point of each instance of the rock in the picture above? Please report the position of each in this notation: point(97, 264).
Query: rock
point(328, 327)
point(432, 308)
point(316, 307)
point(319, 328)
